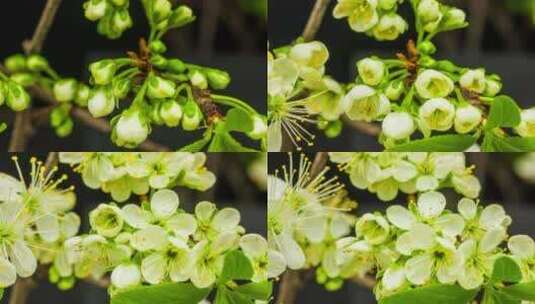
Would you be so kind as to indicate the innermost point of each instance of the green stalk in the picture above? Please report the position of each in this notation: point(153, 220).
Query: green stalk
point(233, 102)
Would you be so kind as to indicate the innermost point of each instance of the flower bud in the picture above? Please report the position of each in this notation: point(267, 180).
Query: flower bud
point(82, 95)
point(131, 129)
point(126, 275)
point(15, 63)
point(160, 88)
point(374, 228)
point(362, 17)
point(398, 125)
point(17, 98)
point(101, 102)
point(157, 47)
point(171, 113)
point(58, 115)
point(387, 4)
point(259, 128)
point(37, 63)
point(95, 9)
point(106, 220)
point(181, 16)
point(119, 2)
point(454, 18)
point(429, 13)
point(446, 65)
point(103, 71)
point(467, 118)
point(65, 90)
point(65, 129)
point(121, 20)
point(121, 87)
point(198, 80)
point(437, 114)
point(24, 79)
point(492, 86)
point(217, 79)
point(310, 54)
point(526, 128)
point(433, 84)
point(427, 48)
point(161, 9)
point(333, 129)
point(390, 26)
point(192, 116)
point(158, 61)
point(365, 104)
point(176, 65)
point(371, 71)
point(394, 90)
point(473, 80)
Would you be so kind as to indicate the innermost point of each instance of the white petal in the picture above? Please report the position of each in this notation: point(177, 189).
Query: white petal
point(126, 275)
point(276, 188)
point(22, 258)
point(470, 278)
point(491, 240)
point(295, 257)
point(8, 273)
point(404, 244)
point(423, 236)
point(426, 183)
point(153, 268)
point(10, 188)
point(253, 245)
point(204, 211)
point(404, 171)
point(48, 227)
point(226, 219)
point(467, 208)
point(70, 224)
point(276, 264)
point(152, 237)
point(274, 136)
point(314, 227)
point(394, 277)
point(450, 224)
point(431, 204)
point(419, 268)
point(522, 246)
point(134, 216)
point(400, 216)
point(492, 217)
point(183, 224)
point(164, 203)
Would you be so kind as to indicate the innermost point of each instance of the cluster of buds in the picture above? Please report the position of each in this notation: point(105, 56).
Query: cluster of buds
point(35, 220)
point(306, 215)
point(154, 241)
point(298, 89)
point(122, 174)
point(425, 244)
point(376, 18)
point(388, 173)
point(112, 16)
point(434, 17)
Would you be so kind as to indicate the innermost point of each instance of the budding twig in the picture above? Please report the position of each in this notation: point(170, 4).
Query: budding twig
point(315, 19)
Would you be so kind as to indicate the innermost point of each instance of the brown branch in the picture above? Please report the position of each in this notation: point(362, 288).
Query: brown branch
point(315, 19)
point(21, 290)
point(363, 127)
point(364, 281)
point(22, 127)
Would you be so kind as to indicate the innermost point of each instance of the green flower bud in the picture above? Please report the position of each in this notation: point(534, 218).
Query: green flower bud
point(66, 283)
point(398, 125)
point(3, 92)
point(334, 128)
point(321, 276)
point(24, 79)
point(119, 2)
point(65, 90)
point(159, 61)
point(371, 71)
point(160, 88)
point(427, 48)
point(259, 128)
point(198, 80)
point(432, 84)
point(192, 116)
point(17, 98)
point(15, 63)
point(394, 90)
point(171, 113)
point(131, 129)
point(390, 27)
point(387, 4)
point(121, 87)
point(526, 128)
point(121, 20)
point(334, 284)
point(82, 95)
point(181, 16)
point(154, 113)
point(454, 18)
point(157, 47)
point(106, 220)
point(217, 79)
point(162, 25)
point(473, 80)
point(161, 9)
point(446, 65)
point(103, 71)
point(37, 63)
point(176, 65)
point(65, 129)
point(95, 9)
point(101, 102)
point(492, 86)
point(57, 116)
point(53, 275)
point(437, 114)
point(467, 118)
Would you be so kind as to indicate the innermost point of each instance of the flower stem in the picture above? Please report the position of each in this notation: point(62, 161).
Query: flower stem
point(233, 102)
point(315, 19)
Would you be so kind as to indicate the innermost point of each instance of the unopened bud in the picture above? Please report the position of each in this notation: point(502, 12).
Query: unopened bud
point(24, 79)
point(157, 47)
point(65, 90)
point(181, 16)
point(171, 113)
point(17, 98)
point(217, 79)
point(95, 9)
point(198, 80)
point(192, 116)
point(103, 71)
point(160, 88)
point(15, 63)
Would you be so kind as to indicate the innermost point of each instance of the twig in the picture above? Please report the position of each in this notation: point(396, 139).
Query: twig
point(315, 19)
point(21, 290)
point(364, 281)
point(22, 127)
point(363, 127)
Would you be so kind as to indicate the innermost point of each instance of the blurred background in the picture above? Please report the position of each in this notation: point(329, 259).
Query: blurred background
point(228, 34)
point(241, 184)
point(506, 178)
point(500, 37)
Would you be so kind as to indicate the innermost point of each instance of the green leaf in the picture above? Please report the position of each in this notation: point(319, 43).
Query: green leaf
point(224, 142)
point(494, 143)
point(435, 294)
point(524, 291)
point(167, 293)
point(443, 143)
point(226, 296)
point(493, 296)
point(239, 120)
point(257, 291)
point(198, 145)
point(236, 267)
point(504, 112)
point(506, 270)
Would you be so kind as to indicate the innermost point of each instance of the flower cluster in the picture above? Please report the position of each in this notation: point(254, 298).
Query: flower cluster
point(155, 241)
point(112, 16)
point(376, 18)
point(388, 173)
point(122, 174)
point(35, 220)
point(299, 89)
point(306, 215)
point(427, 243)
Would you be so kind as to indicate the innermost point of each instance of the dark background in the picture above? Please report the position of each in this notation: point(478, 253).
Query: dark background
point(223, 36)
point(501, 40)
point(499, 185)
point(233, 188)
